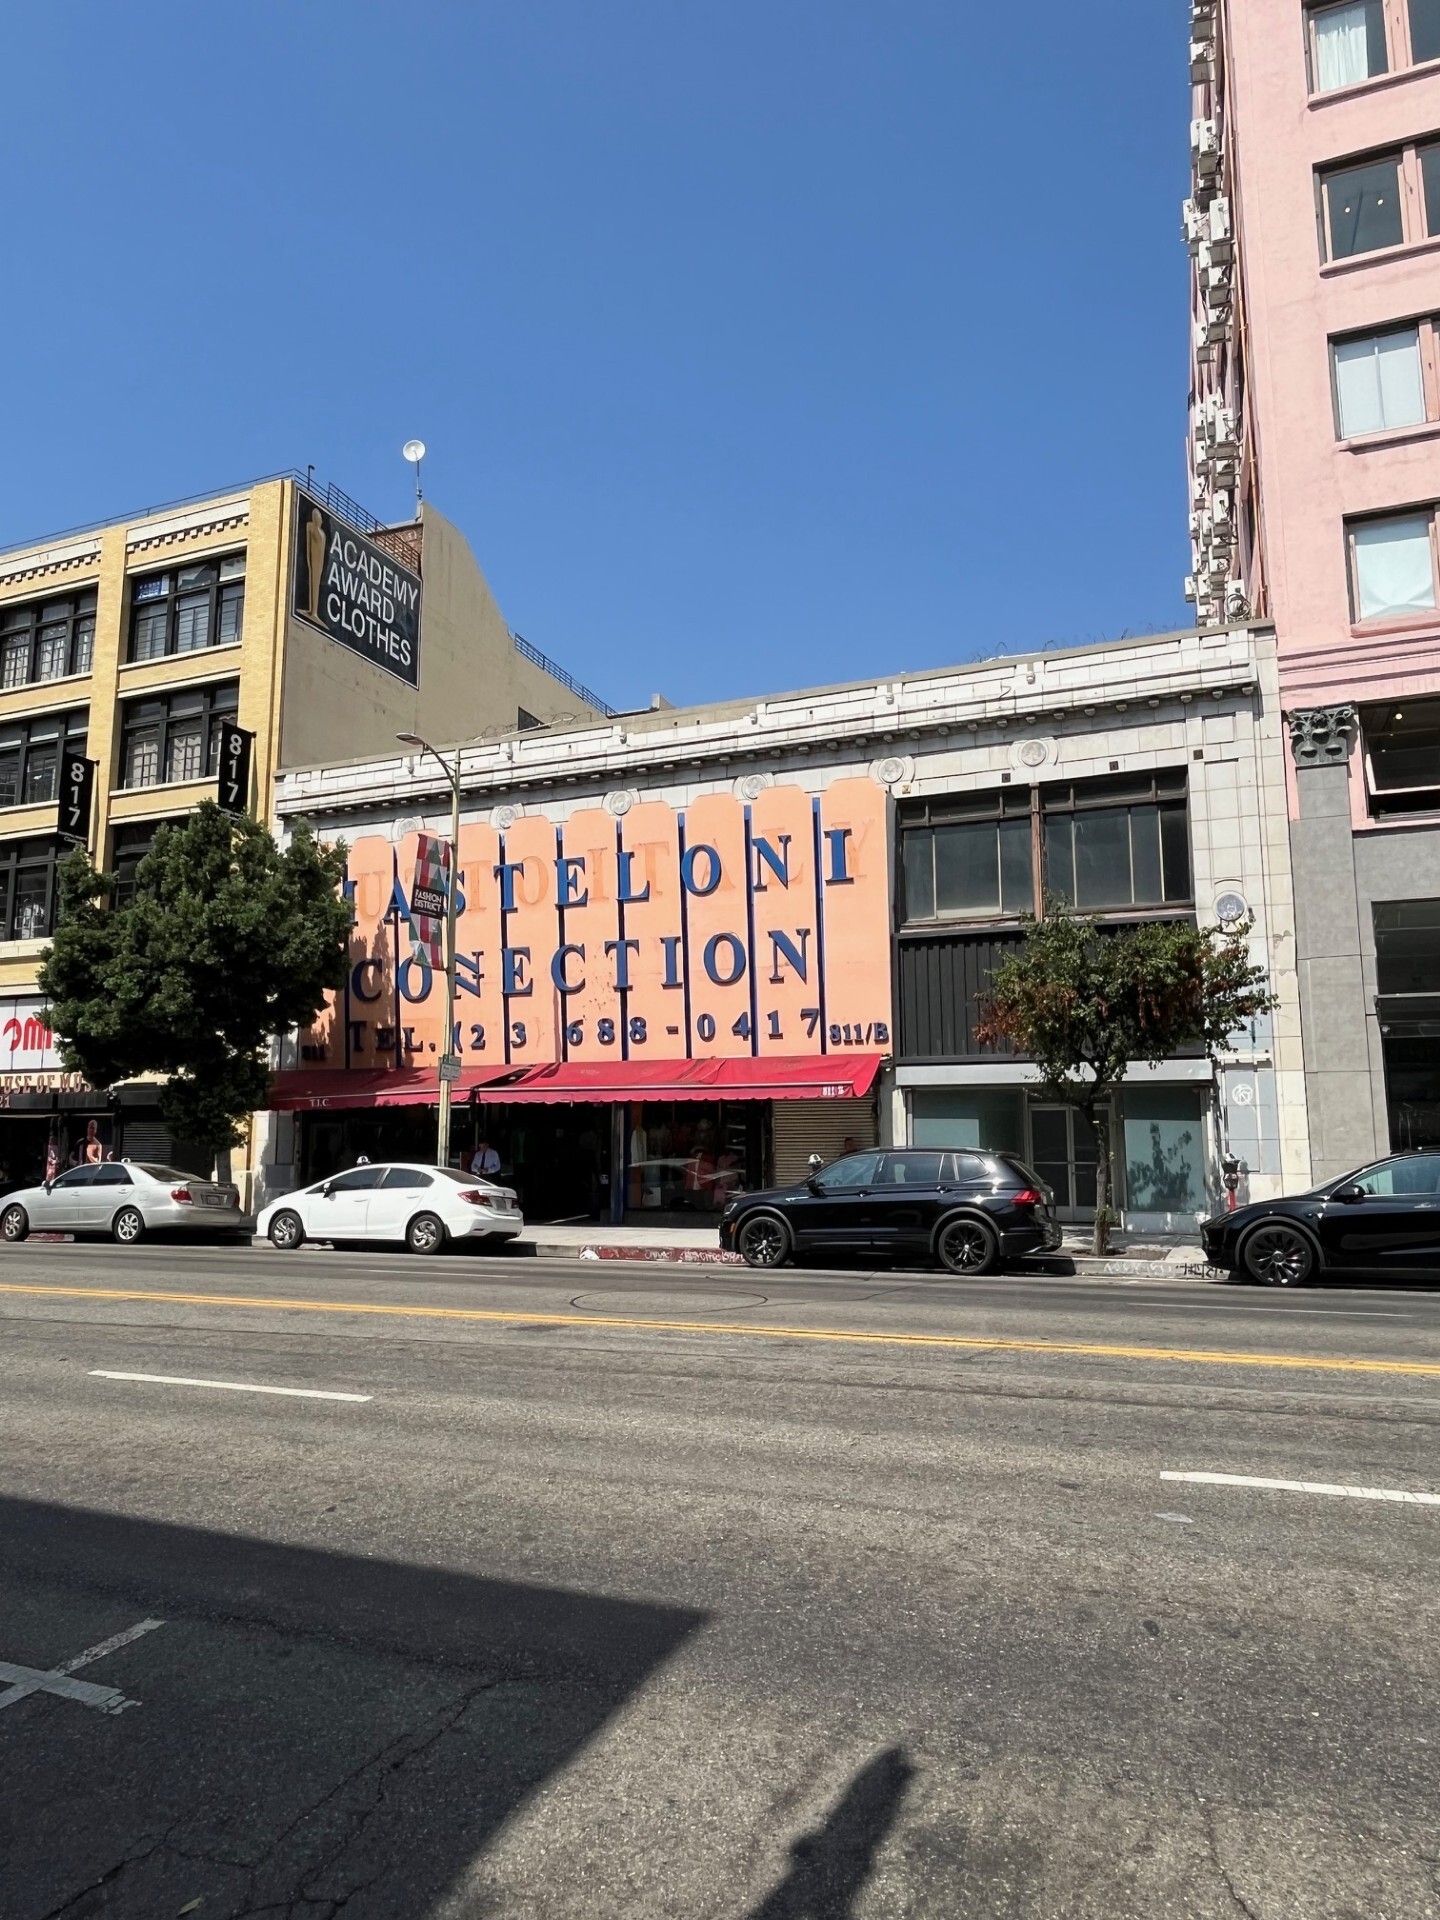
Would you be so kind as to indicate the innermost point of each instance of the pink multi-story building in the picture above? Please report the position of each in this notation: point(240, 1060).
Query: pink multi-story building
point(1314, 226)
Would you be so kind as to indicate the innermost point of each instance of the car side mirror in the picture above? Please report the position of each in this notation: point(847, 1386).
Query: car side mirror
point(327, 1191)
point(49, 1184)
point(1349, 1193)
point(814, 1185)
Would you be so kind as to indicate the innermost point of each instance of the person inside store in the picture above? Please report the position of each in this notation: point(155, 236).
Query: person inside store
point(484, 1160)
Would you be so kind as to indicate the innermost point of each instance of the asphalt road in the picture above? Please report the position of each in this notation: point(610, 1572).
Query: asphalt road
point(634, 1592)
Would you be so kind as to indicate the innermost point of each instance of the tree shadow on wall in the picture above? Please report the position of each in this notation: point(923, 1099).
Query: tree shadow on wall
point(1165, 1182)
point(830, 1866)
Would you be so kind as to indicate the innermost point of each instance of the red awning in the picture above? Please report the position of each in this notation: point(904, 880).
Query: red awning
point(334, 1087)
point(845, 1076)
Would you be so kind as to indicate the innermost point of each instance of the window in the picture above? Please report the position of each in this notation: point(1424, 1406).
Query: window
point(855, 1170)
point(1362, 208)
point(188, 609)
point(131, 844)
point(909, 1170)
point(1347, 44)
point(30, 753)
point(968, 857)
point(1430, 186)
point(967, 1117)
point(1392, 572)
point(355, 1179)
point(1118, 843)
point(1407, 946)
point(175, 736)
point(47, 640)
point(27, 887)
point(410, 1177)
point(1402, 757)
point(525, 720)
point(1424, 30)
point(113, 1176)
point(1378, 382)
point(1418, 1176)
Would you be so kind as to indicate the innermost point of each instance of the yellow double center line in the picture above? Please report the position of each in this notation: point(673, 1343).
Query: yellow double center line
point(943, 1342)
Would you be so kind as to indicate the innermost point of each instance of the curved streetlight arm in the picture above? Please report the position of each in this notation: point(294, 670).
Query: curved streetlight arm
point(452, 775)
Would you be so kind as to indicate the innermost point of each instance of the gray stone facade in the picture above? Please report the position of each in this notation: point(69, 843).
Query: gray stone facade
point(1339, 875)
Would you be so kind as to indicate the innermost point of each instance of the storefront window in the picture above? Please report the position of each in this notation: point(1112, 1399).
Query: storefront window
point(1164, 1151)
point(968, 1117)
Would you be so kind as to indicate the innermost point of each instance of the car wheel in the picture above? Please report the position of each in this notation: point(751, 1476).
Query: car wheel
point(1278, 1256)
point(425, 1234)
point(967, 1246)
point(763, 1241)
point(14, 1224)
point(128, 1227)
point(287, 1231)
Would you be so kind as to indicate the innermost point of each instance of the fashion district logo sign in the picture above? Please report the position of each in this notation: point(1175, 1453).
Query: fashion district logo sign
point(718, 931)
point(354, 591)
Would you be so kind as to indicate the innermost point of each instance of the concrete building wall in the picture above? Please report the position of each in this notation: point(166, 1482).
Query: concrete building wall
point(473, 680)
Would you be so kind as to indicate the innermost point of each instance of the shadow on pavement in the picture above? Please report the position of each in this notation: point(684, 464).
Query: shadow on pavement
point(311, 1728)
point(830, 1866)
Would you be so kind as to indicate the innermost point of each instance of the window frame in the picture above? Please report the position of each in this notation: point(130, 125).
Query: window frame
point(72, 727)
point(1372, 725)
point(1313, 13)
point(1168, 789)
point(176, 596)
point(81, 606)
point(33, 855)
point(1411, 617)
point(219, 701)
point(1375, 157)
point(1424, 326)
point(988, 806)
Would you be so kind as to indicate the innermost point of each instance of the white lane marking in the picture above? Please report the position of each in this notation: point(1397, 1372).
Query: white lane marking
point(1293, 1313)
point(1308, 1486)
point(56, 1680)
point(226, 1386)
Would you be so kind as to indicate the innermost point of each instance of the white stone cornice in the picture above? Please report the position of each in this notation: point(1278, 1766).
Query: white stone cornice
point(64, 557)
point(215, 516)
point(866, 721)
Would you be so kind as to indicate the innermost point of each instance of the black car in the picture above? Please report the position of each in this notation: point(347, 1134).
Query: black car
point(967, 1211)
point(1382, 1220)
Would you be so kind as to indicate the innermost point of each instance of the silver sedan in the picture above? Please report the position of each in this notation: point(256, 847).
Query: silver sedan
point(126, 1199)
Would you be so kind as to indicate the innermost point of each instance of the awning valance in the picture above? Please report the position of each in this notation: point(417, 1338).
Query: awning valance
point(829, 1077)
point(846, 1076)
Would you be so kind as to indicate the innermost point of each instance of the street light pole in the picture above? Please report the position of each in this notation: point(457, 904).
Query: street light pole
point(449, 1061)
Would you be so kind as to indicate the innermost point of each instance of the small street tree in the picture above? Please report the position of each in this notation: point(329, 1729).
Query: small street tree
point(1083, 1002)
point(227, 942)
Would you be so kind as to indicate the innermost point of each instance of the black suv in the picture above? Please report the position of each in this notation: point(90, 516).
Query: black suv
point(963, 1209)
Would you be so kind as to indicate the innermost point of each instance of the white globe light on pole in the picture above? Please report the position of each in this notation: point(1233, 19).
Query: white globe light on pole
point(414, 451)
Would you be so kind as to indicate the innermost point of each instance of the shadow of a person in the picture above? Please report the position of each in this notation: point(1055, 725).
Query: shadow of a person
point(831, 1865)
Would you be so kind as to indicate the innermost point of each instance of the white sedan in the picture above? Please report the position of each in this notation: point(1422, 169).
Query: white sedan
point(394, 1201)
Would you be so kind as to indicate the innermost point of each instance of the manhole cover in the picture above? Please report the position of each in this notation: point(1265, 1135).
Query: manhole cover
point(647, 1303)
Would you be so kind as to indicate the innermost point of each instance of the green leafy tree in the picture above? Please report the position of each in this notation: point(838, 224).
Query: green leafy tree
point(227, 942)
point(1083, 1002)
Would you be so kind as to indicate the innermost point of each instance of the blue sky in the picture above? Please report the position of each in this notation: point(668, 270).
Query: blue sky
point(755, 345)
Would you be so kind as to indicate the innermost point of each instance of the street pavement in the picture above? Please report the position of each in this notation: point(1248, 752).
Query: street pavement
point(646, 1592)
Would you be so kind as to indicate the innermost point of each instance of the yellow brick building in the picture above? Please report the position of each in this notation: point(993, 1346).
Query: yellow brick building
point(131, 643)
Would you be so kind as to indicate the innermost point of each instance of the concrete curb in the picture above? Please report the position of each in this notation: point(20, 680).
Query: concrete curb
point(1063, 1266)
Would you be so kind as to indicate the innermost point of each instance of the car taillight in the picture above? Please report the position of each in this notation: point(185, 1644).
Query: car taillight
point(477, 1199)
point(1027, 1197)
point(183, 1194)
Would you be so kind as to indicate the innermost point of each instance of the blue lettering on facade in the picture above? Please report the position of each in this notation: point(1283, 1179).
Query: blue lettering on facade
point(514, 983)
point(737, 958)
point(688, 862)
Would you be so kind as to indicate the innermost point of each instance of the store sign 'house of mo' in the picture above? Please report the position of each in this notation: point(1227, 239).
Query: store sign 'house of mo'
point(715, 931)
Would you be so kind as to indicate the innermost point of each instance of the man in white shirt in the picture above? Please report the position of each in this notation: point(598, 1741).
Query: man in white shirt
point(485, 1160)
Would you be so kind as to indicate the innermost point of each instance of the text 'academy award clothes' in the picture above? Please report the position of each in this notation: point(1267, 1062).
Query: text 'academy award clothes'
point(354, 591)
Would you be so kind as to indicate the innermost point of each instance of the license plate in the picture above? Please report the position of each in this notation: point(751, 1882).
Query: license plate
point(212, 1199)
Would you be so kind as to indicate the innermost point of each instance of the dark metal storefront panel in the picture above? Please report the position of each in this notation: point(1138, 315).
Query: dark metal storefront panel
point(941, 982)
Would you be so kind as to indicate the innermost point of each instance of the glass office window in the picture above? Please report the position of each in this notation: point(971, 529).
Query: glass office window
point(1362, 208)
point(1392, 569)
point(1378, 382)
point(1347, 44)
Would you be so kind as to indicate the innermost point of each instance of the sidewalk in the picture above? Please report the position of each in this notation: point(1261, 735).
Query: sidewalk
point(1154, 1257)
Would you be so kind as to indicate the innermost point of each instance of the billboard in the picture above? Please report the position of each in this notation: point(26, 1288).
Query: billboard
point(720, 930)
point(354, 591)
